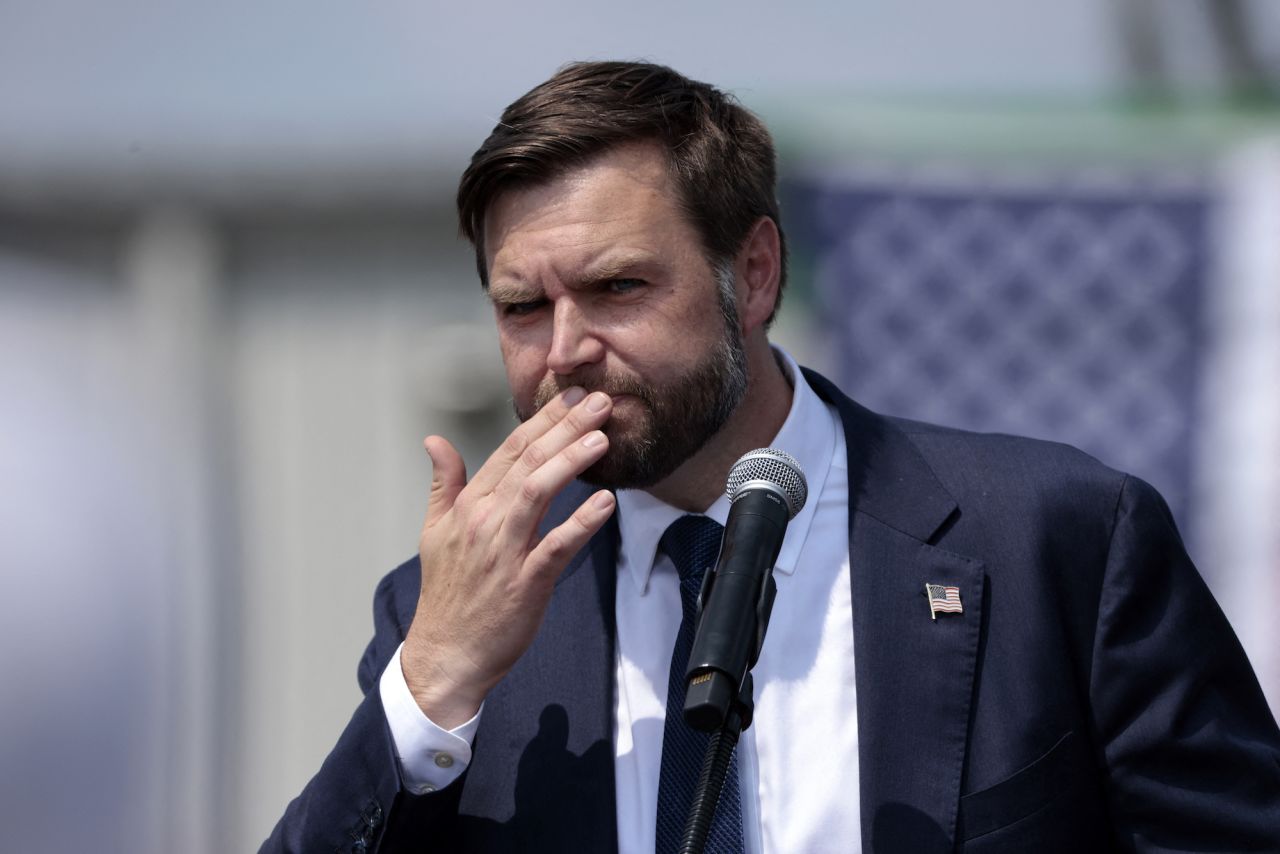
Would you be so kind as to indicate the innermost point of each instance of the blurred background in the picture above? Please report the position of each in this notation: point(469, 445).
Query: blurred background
point(232, 303)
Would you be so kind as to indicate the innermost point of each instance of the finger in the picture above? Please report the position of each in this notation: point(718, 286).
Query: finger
point(448, 476)
point(561, 543)
point(496, 467)
point(528, 503)
point(590, 414)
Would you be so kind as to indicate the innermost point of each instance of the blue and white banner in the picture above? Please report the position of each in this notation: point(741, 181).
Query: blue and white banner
point(1108, 309)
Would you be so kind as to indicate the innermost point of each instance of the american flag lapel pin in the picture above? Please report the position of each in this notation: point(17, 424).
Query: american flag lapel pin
point(943, 599)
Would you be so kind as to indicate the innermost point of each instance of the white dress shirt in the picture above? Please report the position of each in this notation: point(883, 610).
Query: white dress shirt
point(798, 762)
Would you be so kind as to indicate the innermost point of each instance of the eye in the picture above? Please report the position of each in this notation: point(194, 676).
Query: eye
point(622, 286)
point(521, 309)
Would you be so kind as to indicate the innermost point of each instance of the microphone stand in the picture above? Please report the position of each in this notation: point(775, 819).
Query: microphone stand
point(707, 695)
point(715, 767)
point(712, 707)
point(738, 596)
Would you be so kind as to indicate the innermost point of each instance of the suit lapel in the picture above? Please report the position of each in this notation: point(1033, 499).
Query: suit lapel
point(914, 674)
point(915, 684)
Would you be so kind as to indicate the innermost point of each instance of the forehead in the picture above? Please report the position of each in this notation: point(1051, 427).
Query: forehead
point(621, 203)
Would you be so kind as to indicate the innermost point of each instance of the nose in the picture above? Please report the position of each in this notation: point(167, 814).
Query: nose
point(574, 343)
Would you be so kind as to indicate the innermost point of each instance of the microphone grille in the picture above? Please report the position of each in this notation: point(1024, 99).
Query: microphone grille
point(775, 468)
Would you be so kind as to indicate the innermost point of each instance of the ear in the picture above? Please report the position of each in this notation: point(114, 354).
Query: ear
point(758, 269)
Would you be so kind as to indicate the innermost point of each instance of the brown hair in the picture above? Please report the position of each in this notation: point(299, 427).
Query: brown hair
point(720, 155)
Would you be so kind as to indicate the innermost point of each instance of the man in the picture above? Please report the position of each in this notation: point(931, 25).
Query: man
point(1072, 688)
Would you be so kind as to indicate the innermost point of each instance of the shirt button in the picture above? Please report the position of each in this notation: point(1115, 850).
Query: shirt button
point(426, 789)
point(444, 760)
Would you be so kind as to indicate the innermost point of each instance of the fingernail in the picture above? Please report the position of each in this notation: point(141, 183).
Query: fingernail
point(592, 439)
point(603, 500)
point(597, 402)
point(574, 394)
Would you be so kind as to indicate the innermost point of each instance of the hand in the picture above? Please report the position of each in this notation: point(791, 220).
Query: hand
point(486, 576)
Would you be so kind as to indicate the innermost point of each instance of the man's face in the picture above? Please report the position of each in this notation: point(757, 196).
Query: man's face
point(597, 280)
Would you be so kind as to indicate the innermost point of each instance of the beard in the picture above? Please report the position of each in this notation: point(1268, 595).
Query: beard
point(676, 418)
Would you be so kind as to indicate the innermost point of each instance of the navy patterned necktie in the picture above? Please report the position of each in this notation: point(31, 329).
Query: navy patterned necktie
point(692, 543)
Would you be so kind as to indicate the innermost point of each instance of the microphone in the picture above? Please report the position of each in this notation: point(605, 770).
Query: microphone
point(766, 490)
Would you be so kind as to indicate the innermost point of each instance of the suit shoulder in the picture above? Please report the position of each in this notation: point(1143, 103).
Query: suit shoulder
point(985, 472)
point(1029, 508)
point(971, 464)
point(396, 597)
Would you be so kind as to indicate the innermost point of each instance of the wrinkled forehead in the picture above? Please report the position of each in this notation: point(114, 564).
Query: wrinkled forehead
point(622, 203)
point(636, 166)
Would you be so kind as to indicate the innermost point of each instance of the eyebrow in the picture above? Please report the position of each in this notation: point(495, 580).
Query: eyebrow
point(616, 267)
point(509, 291)
point(506, 292)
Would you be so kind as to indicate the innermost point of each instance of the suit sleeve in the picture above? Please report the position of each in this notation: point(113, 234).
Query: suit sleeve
point(1191, 749)
point(357, 802)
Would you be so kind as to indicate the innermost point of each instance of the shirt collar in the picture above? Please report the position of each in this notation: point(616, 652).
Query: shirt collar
point(808, 434)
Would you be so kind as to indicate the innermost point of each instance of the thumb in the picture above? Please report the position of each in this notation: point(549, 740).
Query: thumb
point(448, 476)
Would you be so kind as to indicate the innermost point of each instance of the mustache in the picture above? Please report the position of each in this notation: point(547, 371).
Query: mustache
point(611, 383)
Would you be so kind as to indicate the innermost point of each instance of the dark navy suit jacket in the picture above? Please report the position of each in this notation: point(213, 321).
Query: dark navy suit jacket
point(1091, 697)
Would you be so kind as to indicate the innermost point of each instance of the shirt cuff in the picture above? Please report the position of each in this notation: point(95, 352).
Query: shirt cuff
point(430, 757)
